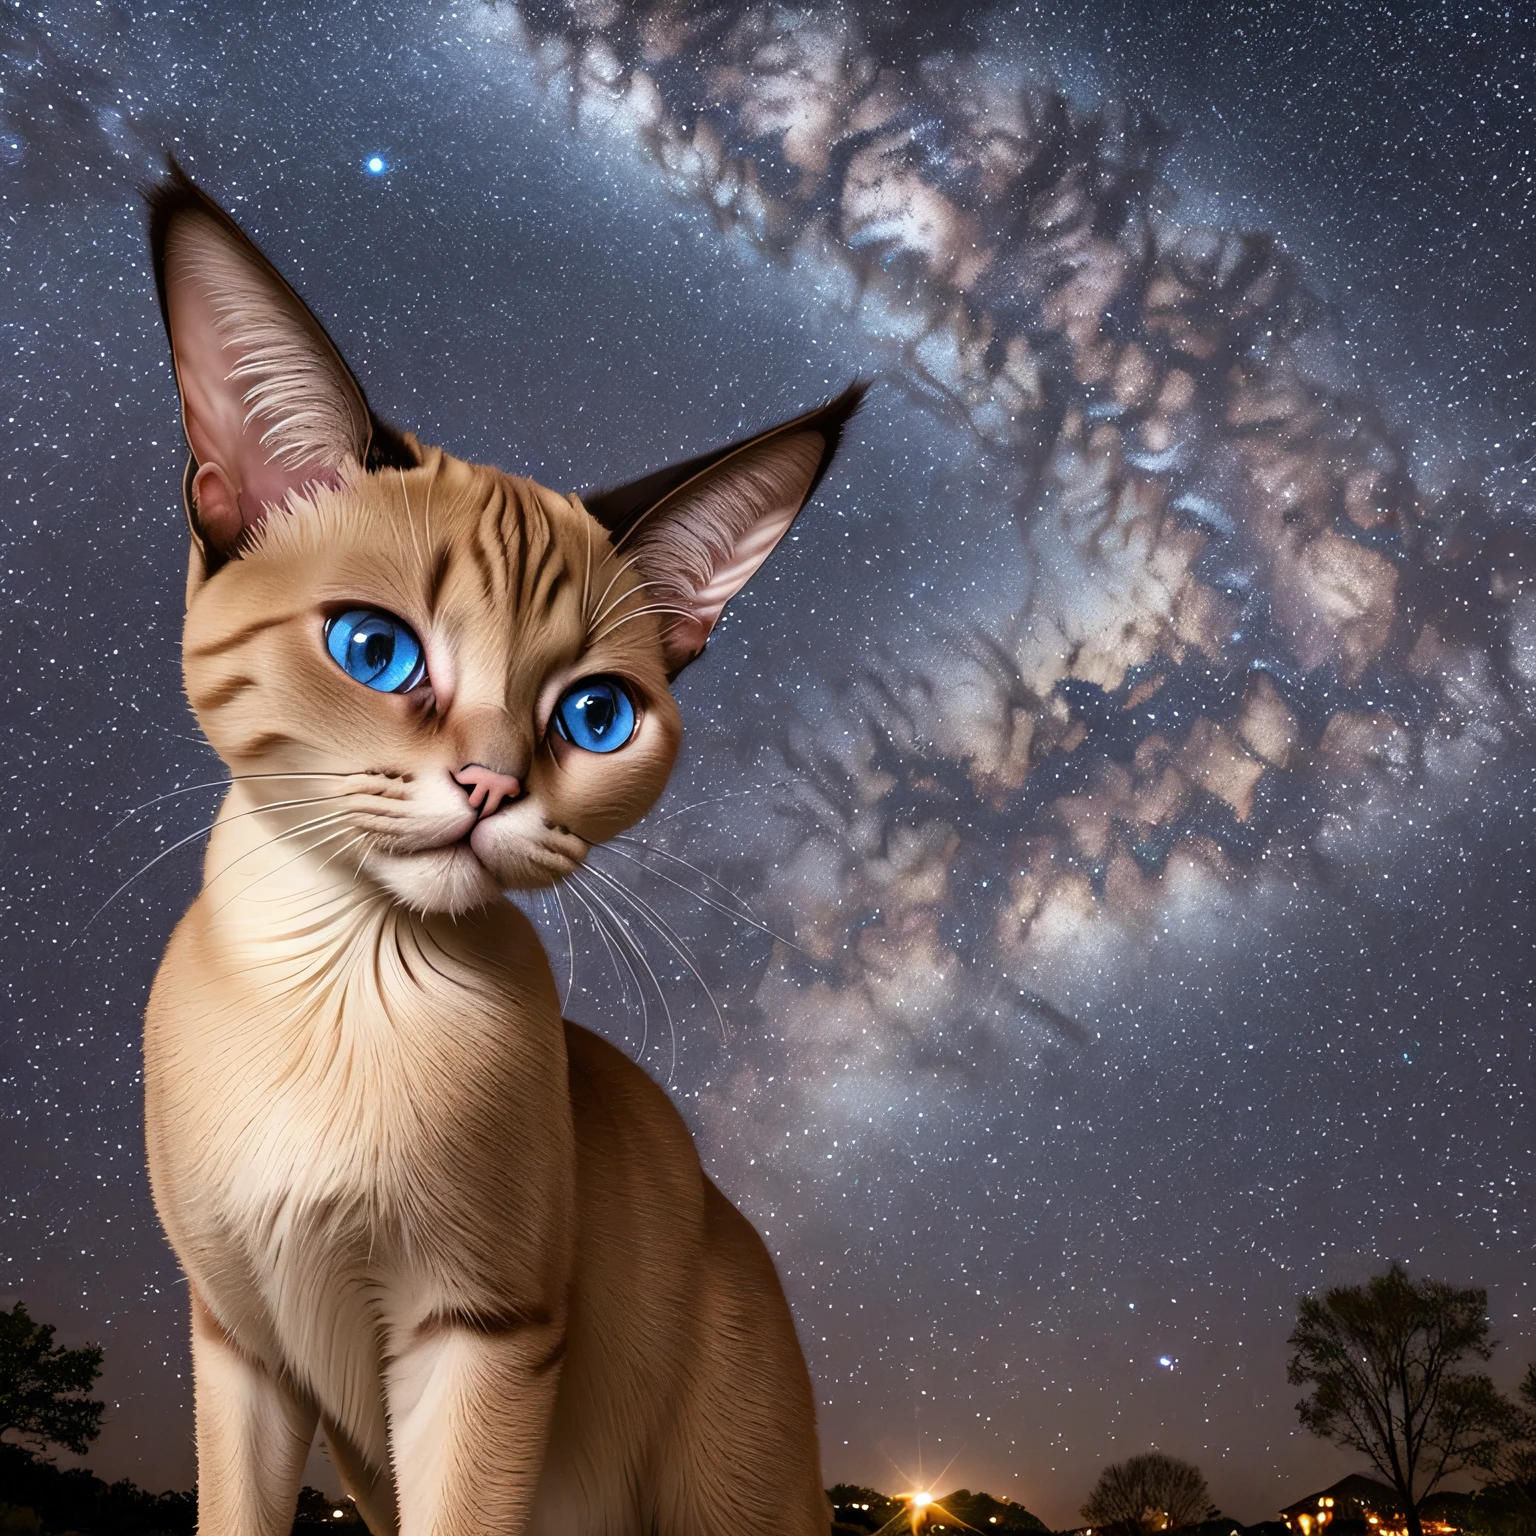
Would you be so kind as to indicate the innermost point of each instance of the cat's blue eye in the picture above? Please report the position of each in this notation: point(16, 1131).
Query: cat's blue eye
point(375, 649)
point(596, 715)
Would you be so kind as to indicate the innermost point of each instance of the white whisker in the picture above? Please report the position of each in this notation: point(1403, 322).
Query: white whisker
point(639, 952)
point(682, 613)
point(655, 920)
point(225, 783)
point(615, 956)
point(621, 599)
point(570, 948)
point(303, 826)
point(735, 917)
point(165, 853)
point(609, 588)
point(663, 853)
point(267, 875)
point(333, 855)
point(735, 794)
point(275, 806)
point(339, 851)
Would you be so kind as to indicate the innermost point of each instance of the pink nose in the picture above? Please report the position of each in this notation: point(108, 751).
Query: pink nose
point(487, 788)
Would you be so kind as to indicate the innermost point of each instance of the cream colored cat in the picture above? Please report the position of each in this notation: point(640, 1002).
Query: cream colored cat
point(470, 1242)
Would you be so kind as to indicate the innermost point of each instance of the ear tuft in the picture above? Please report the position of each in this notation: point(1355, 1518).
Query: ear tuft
point(698, 531)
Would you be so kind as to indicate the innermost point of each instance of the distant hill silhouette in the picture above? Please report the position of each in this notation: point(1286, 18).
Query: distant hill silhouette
point(859, 1509)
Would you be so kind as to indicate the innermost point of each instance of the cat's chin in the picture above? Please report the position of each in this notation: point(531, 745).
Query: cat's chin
point(450, 880)
point(475, 871)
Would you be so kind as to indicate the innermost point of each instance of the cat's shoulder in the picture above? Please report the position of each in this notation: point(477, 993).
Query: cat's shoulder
point(606, 1085)
point(593, 1060)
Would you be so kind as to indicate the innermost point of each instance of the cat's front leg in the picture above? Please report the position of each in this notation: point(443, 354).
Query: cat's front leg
point(253, 1434)
point(470, 1405)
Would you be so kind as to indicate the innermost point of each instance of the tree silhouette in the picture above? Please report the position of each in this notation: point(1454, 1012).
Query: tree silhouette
point(1507, 1506)
point(43, 1388)
point(1382, 1361)
point(1147, 1493)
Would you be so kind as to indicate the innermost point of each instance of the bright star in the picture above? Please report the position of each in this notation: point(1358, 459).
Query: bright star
point(375, 165)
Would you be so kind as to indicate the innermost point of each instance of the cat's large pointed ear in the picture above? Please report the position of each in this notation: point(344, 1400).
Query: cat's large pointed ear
point(698, 531)
point(267, 403)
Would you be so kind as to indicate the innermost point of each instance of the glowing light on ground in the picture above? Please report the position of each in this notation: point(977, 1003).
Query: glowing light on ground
point(921, 1510)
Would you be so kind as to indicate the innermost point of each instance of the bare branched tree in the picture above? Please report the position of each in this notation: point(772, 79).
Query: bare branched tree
point(1382, 1359)
point(1507, 1506)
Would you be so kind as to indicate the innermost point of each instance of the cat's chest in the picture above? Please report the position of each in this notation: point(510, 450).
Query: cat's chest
point(313, 1125)
point(284, 1187)
point(319, 1107)
point(340, 1151)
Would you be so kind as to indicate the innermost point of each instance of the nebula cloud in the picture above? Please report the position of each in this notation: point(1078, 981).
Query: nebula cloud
point(1253, 648)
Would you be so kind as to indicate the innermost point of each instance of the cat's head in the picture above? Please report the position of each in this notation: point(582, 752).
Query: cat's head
point(466, 673)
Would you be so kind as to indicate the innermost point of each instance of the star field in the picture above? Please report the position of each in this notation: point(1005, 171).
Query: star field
point(1126, 763)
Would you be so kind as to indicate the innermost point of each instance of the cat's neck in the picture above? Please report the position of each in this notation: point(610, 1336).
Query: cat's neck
point(269, 856)
point(292, 914)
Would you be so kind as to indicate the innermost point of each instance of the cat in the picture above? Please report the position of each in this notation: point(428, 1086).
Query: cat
point(468, 1241)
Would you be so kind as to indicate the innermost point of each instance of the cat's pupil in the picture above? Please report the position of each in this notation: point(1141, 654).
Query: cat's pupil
point(378, 647)
point(597, 709)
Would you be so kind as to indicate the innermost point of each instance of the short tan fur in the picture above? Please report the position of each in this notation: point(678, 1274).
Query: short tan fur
point(466, 1240)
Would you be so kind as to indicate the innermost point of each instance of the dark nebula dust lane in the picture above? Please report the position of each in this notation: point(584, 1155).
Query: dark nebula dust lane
point(1126, 764)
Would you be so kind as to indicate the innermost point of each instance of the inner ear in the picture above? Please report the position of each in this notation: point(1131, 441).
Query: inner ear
point(268, 404)
point(698, 531)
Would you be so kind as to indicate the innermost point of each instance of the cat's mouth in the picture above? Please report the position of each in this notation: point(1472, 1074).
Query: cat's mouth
point(523, 849)
point(458, 841)
point(518, 848)
point(484, 842)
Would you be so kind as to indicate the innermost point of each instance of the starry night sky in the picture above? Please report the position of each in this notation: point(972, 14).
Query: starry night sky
point(1134, 739)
